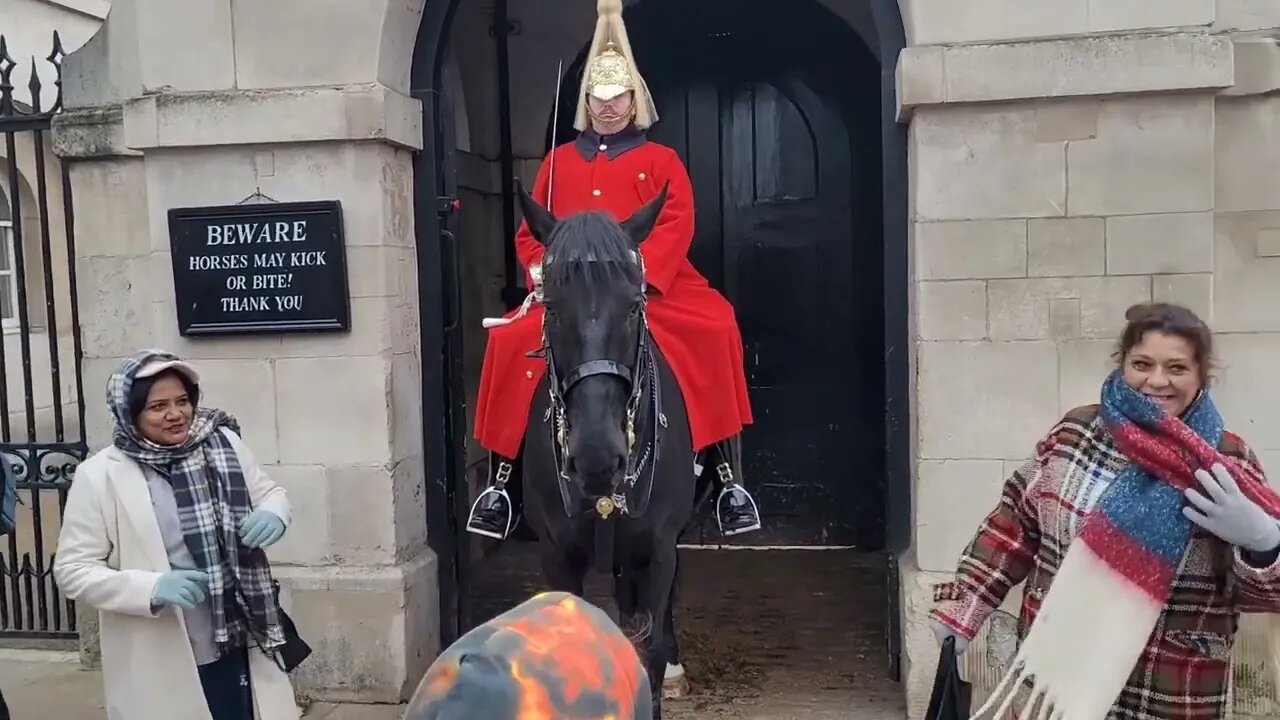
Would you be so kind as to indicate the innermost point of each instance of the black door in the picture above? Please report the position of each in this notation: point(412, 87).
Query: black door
point(771, 166)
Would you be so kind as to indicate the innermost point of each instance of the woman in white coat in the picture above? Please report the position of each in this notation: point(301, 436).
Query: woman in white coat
point(163, 535)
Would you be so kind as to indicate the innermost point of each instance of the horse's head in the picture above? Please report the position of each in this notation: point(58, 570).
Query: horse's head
point(593, 298)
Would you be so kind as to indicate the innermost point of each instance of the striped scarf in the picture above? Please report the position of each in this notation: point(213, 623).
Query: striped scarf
point(1115, 577)
point(213, 498)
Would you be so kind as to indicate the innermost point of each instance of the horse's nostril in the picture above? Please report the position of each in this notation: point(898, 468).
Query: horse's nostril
point(620, 463)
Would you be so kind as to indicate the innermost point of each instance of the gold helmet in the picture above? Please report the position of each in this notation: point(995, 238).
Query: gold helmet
point(611, 69)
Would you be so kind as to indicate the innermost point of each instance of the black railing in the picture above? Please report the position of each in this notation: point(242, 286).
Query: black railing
point(41, 436)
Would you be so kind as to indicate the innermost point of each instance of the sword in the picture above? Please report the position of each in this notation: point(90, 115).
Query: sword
point(555, 126)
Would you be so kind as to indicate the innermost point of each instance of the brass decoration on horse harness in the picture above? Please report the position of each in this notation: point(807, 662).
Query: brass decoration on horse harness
point(605, 507)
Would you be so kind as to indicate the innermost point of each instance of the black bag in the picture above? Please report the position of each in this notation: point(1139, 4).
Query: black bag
point(951, 695)
point(295, 649)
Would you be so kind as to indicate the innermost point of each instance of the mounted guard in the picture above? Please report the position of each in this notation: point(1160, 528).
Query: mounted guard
point(613, 167)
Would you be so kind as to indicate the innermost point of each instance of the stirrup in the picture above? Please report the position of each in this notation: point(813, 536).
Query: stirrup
point(728, 486)
point(501, 492)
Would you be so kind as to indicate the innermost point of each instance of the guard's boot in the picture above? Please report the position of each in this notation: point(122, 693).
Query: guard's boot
point(736, 510)
point(493, 513)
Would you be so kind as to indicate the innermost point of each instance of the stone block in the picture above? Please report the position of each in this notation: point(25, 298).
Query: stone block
point(954, 497)
point(246, 389)
point(115, 304)
point(1257, 63)
point(406, 406)
point(1190, 291)
point(1247, 15)
point(114, 189)
point(1248, 162)
point(1246, 296)
point(1160, 244)
point(276, 43)
point(1087, 66)
point(1082, 366)
point(1113, 15)
point(1152, 155)
point(952, 310)
point(1064, 318)
point(98, 421)
point(919, 79)
point(362, 523)
point(373, 271)
point(937, 22)
point(308, 540)
point(1269, 243)
point(1063, 120)
point(1061, 247)
point(409, 493)
point(373, 628)
point(980, 400)
point(985, 162)
point(971, 249)
point(316, 396)
point(1020, 309)
point(1250, 403)
point(207, 54)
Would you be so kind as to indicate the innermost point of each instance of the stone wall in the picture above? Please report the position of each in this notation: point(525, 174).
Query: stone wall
point(1059, 175)
point(267, 97)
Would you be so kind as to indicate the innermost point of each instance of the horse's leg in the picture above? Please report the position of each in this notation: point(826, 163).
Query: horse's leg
point(661, 578)
point(563, 570)
point(674, 683)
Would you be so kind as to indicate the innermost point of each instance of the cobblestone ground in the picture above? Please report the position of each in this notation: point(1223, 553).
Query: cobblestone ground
point(766, 634)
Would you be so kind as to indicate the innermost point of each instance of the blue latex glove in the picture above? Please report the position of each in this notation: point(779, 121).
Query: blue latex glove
point(183, 588)
point(261, 529)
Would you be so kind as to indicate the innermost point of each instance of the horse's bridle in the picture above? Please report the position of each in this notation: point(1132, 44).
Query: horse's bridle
point(559, 388)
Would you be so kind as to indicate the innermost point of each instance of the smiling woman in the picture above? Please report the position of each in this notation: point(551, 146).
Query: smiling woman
point(189, 614)
point(1143, 530)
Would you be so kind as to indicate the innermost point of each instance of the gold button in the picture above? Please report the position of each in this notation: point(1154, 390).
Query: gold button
point(528, 374)
point(642, 176)
point(596, 193)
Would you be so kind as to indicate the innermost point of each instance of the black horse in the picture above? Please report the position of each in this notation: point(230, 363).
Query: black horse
point(608, 466)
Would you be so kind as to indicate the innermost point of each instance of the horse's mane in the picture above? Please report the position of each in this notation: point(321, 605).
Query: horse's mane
point(590, 247)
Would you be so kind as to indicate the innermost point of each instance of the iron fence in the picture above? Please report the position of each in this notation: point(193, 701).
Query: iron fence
point(41, 398)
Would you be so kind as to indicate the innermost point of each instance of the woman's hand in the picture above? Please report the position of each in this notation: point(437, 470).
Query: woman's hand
point(1228, 514)
point(182, 588)
point(261, 529)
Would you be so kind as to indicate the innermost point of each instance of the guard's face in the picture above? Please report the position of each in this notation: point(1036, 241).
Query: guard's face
point(1163, 367)
point(166, 418)
point(616, 110)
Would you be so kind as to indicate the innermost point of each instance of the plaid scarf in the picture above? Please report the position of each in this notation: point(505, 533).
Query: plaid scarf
point(1115, 577)
point(213, 498)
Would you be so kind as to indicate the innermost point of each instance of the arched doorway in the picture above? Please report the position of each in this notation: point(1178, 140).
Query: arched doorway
point(800, 173)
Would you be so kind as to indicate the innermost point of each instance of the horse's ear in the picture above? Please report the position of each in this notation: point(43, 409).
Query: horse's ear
point(540, 220)
point(641, 222)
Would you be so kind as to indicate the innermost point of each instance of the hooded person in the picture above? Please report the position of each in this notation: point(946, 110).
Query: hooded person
point(553, 657)
point(163, 535)
point(613, 167)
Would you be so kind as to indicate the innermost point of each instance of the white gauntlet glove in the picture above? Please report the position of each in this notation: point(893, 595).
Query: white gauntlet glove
point(1229, 514)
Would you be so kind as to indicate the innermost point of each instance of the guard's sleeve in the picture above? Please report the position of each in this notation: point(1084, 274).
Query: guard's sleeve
point(667, 246)
point(529, 250)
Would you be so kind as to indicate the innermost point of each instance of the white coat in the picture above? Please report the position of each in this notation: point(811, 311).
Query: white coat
point(110, 555)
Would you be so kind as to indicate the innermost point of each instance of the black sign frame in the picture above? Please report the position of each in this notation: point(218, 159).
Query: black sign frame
point(192, 287)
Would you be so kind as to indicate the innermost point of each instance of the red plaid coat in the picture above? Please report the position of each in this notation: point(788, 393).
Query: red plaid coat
point(1182, 674)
